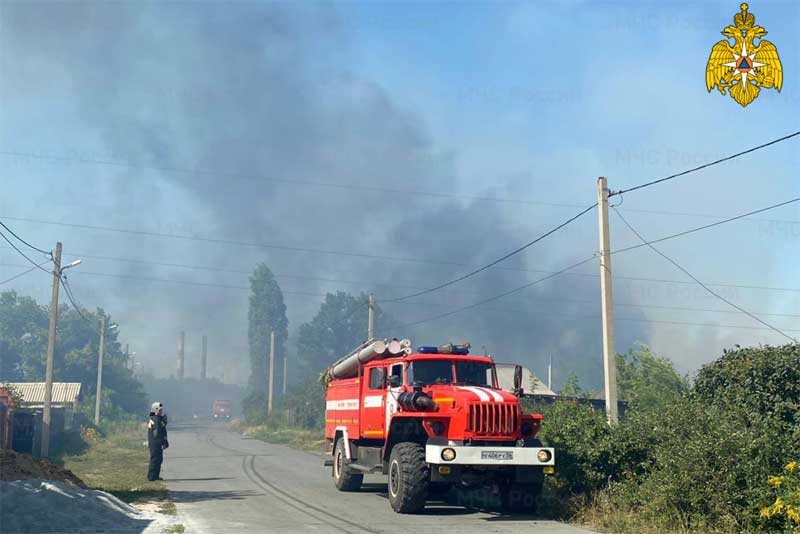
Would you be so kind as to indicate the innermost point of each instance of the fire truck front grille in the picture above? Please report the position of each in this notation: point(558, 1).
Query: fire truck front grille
point(493, 419)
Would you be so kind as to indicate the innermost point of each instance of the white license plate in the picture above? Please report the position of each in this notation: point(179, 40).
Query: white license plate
point(497, 455)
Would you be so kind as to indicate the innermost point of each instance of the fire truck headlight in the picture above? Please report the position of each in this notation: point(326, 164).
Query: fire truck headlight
point(544, 455)
point(448, 455)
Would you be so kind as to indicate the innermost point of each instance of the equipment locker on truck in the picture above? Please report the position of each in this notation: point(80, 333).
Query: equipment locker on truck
point(430, 419)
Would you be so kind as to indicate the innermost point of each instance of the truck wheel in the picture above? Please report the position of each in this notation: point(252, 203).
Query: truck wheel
point(409, 478)
point(343, 476)
point(521, 498)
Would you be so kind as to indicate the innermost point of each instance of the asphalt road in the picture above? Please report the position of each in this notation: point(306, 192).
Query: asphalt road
point(222, 482)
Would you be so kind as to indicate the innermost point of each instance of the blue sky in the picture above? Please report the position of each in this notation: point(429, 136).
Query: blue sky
point(517, 101)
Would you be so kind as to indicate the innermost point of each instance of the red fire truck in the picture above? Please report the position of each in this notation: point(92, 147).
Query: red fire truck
point(430, 420)
point(222, 409)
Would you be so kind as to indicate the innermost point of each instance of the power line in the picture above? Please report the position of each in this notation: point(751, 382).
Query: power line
point(502, 258)
point(356, 187)
point(71, 298)
point(397, 286)
point(37, 249)
point(235, 242)
point(690, 275)
point(23, 273)
point(416, 260)
point(186, 282)
point(262, 178)
point(496, 297)
point(550, 313)
point(704, 227)
point(35, 265)
point(595, 302)
point(704, 166)
point(673, 236)
point(389, 301)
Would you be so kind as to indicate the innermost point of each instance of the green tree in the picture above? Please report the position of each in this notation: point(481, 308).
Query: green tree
point(23, 346)
point(267, 314)
point(23, 331)
point(339, 326)
point(572, 387)
point(648, 381)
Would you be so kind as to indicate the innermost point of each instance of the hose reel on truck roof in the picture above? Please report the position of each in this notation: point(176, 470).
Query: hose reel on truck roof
point(348, 366)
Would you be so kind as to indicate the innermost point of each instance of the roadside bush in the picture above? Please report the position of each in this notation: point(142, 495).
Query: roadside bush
point(761, 381)
point(581, 439)
point(692, 462)
point(710, 453)
point(783, 514)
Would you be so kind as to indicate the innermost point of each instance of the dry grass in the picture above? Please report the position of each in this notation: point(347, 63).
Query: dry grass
point(118, 465)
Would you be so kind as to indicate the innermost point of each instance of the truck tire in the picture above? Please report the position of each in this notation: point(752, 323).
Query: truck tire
point(344, 477)
point(409, 478)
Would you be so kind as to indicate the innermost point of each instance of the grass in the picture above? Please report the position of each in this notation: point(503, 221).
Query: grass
point(297, 438)
point(175, 529)
point(168, 508)
point(118, 464)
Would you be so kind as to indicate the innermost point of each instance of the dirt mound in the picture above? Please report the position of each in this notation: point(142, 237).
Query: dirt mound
point(60, 507)
point(16, 466)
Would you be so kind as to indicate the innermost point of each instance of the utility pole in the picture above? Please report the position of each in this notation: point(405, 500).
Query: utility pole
point(550, 373)
point(100, 372)
point(181, 343)
point(204, 358)
point(51, 347)
point(609, 351)
point(285, 371)
point(271, 369)
point(371, 320)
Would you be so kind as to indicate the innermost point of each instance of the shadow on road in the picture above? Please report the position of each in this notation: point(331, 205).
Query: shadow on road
point(197, 479)
point(455, 502)
point(181, 496)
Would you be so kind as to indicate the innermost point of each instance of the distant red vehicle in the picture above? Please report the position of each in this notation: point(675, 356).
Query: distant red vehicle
point(222, 409)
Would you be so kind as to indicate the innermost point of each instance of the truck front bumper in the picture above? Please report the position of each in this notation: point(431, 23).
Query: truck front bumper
point(488, 456)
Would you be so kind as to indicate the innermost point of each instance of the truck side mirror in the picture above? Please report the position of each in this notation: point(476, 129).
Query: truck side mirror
point(518, 391)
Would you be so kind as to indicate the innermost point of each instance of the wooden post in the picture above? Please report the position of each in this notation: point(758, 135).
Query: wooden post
point(51, 347)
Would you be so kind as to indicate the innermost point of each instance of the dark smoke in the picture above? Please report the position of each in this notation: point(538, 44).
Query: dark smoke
point(250, 92)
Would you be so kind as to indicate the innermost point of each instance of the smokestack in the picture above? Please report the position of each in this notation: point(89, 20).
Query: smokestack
point(181, 341)
point(204, 358)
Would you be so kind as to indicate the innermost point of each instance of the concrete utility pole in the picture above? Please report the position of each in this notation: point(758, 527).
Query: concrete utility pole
point(51, 347)
point(100, 371)
point(550, 373)
point(371, 320)
point(181, 344)
point(204, 358)
point(285, 371)
point(271, 369)
point(609, 351)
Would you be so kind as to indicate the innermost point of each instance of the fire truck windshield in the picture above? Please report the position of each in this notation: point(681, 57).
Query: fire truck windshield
point(428, 372)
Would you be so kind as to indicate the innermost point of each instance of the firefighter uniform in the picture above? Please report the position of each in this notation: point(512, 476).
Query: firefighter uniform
point(156, 440)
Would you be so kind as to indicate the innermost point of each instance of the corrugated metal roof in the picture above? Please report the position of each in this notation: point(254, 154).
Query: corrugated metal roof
point(33, 392)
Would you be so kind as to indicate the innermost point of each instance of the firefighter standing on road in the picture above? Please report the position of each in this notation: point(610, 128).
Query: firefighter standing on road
point(156, 439)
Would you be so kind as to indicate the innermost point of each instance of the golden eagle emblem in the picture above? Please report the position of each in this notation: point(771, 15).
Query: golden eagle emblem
point(743, 67)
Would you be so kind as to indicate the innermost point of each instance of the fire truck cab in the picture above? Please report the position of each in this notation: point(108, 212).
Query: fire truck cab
point(430, 419)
